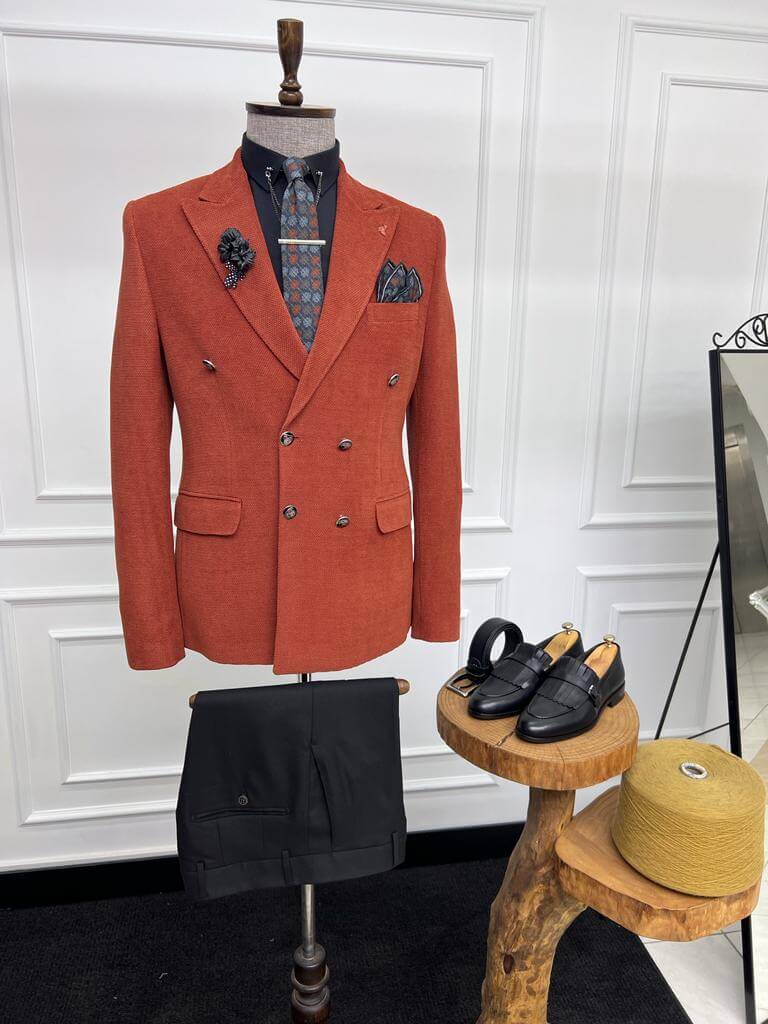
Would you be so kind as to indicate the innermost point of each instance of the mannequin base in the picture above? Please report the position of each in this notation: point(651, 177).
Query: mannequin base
point(310, 999)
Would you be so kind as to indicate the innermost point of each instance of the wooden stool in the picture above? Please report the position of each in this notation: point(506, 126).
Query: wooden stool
point(562, 864)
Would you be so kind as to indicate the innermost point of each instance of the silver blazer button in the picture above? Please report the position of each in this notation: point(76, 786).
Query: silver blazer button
point(345, 444)
point(342, 521)
point(393, 380)
point(290, 512)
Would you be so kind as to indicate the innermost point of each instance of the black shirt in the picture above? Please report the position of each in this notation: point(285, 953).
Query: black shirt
point(256, 159)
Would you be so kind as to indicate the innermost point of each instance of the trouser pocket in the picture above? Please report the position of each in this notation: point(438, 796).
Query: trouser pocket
point(225, 812)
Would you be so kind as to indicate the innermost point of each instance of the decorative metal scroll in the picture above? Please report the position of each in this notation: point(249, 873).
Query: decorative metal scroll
point(754, 331)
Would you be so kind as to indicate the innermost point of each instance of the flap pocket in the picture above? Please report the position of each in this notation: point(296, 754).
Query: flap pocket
point(394, 513)
point(393, 312)
point(206, 513)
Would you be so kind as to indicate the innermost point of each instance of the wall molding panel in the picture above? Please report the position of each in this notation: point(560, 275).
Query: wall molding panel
point(20, 716)
point(630, 478)
point(650, 584)
point(633, 29)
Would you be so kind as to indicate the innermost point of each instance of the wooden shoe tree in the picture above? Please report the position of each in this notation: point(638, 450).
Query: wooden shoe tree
point(562, 642)
point(601, 659)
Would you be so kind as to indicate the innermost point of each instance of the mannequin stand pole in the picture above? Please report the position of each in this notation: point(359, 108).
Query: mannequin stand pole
point(308, 919)
point(310, 998)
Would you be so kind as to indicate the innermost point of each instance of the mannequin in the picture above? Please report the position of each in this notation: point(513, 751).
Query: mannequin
point(290, 129)
point(272, 594)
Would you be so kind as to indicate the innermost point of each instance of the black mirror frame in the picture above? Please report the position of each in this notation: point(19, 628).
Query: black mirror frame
point(729, 640)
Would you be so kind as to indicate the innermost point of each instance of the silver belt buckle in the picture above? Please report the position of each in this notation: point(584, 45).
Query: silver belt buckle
point(463, 691)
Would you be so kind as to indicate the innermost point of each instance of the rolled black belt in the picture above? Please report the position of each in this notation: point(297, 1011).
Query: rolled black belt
point(479, 662)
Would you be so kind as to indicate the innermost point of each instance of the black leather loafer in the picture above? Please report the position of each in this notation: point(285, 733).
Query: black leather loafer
point(513, 680)
point(572, 697)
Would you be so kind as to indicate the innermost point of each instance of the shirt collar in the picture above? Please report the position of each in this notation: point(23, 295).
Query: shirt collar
point(257, 158)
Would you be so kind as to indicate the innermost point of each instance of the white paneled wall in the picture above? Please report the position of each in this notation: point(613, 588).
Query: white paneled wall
point(603, 179)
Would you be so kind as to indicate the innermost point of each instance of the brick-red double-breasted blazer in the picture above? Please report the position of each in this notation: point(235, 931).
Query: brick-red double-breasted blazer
point(262, 423)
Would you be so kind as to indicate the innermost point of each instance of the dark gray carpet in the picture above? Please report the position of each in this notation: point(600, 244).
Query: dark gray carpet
point(407, 947)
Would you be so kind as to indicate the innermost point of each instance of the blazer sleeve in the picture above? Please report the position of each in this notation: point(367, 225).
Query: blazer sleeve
point(141, 417)
point(434, 450)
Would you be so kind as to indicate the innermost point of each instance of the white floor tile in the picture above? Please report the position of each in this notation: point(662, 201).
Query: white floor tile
point(758, 661)
point(760, 951)
point(750, 707)
point(705, 975)
point(754, 735)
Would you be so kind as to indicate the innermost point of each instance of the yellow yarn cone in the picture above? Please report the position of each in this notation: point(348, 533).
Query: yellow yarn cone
point(691, 817)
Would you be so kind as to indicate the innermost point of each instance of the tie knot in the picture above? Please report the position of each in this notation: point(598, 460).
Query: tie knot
point(294, 167)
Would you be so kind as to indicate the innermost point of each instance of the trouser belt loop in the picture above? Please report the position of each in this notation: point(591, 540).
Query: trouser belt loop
point(201, 878)
point(287, 872)
point(395, 847)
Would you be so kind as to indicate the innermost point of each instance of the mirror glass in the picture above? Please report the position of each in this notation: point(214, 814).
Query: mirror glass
point(744, 557)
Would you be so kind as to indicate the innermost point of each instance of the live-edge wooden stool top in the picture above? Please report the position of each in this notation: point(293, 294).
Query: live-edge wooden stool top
point(593, 871)
point(602, 753)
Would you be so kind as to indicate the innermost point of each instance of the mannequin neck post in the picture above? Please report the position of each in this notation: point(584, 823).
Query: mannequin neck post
point(292, 136)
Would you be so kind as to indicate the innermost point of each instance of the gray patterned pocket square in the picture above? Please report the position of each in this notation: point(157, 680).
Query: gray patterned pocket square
point(397, 284)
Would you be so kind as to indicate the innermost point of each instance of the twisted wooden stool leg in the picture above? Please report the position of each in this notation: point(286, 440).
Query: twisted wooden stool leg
point(530, 913)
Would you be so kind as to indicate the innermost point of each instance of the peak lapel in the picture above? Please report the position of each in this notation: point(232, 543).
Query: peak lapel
point(362, 234)
point(226, 201)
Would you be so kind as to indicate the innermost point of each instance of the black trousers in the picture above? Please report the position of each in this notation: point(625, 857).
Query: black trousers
point(291, 783)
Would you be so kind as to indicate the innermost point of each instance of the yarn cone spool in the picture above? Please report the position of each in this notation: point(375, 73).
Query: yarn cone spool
point(691, 817)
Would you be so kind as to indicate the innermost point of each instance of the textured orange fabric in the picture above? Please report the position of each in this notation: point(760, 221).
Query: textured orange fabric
point(246, 585)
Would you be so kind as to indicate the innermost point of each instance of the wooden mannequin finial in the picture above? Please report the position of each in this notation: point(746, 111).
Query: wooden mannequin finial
point(290, 44)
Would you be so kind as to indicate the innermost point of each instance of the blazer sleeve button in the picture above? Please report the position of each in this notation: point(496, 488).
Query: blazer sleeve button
point(345, 444)
point(393, 380)
point(342, 521)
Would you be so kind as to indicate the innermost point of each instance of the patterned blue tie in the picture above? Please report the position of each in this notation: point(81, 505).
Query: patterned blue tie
point(302, 270)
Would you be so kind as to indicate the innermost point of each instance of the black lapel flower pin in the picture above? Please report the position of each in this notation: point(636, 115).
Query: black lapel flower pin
point(236, 254)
